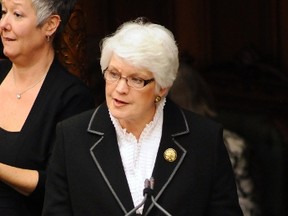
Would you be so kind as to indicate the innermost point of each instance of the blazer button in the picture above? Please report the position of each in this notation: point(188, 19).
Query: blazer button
point(170, 155)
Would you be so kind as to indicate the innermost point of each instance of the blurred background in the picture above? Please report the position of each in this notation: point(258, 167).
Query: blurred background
point(239, 47)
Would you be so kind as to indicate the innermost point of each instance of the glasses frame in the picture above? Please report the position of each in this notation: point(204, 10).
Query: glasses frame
point(146, 82)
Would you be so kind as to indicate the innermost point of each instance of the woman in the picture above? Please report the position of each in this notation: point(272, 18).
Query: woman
point(103, 159)
point(199, 99)
point(36, 92)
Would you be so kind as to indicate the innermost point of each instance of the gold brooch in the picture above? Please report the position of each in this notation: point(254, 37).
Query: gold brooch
point(170, 154)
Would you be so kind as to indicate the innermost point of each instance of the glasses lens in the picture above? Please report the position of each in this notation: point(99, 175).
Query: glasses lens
point(111, 76)
point(135, 82)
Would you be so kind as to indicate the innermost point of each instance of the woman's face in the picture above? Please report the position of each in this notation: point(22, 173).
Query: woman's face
point(19, 33)
point(126, 103)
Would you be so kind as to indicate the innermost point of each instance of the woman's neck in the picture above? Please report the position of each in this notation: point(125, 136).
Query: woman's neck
point(33, 69)
point(136, 126)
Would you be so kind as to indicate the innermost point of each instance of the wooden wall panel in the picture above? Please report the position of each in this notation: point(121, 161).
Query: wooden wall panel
point(283, 38)
point(192, 30)
point(211, 31)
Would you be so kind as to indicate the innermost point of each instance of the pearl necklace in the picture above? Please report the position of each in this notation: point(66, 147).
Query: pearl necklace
point(19, 94)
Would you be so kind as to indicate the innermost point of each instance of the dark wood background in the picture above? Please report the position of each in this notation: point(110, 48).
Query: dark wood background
point(215, 33)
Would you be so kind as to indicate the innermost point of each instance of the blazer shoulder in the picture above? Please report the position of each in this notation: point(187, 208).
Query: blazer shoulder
point(195, 118)
point(5, 66)
point(62, 78)
point(79, 119)
point(177, 115)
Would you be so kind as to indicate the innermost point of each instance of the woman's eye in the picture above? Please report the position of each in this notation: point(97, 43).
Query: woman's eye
point(114, 74)
point(136, 80)
point(17, 14)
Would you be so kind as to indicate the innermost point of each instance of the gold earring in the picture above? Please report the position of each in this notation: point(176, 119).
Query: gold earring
point(157, 99)
point(48, 38)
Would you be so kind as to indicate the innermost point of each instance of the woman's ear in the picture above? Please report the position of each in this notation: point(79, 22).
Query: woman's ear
point(163, 92)
point(52, 24)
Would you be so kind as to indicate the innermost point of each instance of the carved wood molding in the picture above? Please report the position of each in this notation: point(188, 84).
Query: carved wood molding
point(71, 47)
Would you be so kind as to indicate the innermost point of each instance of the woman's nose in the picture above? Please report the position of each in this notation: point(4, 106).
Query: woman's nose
point(122, 85)
point(4, 23)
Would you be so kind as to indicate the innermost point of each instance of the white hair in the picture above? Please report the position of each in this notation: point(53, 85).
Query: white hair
point(144, 45)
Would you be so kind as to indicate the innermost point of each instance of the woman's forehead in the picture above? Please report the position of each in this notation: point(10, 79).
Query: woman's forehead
point(122, 65)
point(16, 2)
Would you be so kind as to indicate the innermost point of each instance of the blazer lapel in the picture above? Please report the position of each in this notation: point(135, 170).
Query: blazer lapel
point(106, 155)
point(164, 169)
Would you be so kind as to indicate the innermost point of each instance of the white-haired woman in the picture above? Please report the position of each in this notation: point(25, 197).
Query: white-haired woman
point(138, 153)
point(36, 92)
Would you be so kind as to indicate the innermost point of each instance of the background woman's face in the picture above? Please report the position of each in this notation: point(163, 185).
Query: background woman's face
point(19, 33)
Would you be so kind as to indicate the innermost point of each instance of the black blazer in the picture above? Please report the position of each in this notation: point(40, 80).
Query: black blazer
point(86, 176)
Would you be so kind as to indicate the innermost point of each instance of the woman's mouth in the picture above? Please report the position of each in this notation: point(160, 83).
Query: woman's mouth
point(119, 102)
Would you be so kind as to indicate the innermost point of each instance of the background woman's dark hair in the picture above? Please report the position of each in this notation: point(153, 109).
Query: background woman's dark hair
point(65, 9)
point(191, 91)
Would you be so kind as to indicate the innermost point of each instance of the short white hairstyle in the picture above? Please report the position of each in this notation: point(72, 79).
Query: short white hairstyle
point(144, 45)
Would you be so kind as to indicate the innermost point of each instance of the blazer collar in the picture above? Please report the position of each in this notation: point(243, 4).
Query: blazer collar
point(112, 171)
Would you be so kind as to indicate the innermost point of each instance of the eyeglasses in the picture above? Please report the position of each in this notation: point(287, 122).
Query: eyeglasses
point(134, 82)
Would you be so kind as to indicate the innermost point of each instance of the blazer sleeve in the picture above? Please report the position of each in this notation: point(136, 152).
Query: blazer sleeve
point(56, 200)
point(224, 200)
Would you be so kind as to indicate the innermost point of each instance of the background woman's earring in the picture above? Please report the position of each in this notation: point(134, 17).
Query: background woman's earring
point(48, 38)
point(157, 99)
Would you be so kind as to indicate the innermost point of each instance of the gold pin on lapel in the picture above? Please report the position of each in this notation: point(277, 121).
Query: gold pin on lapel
point(170, 155)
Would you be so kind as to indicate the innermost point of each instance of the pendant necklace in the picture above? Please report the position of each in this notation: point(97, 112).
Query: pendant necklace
point(19, 94)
